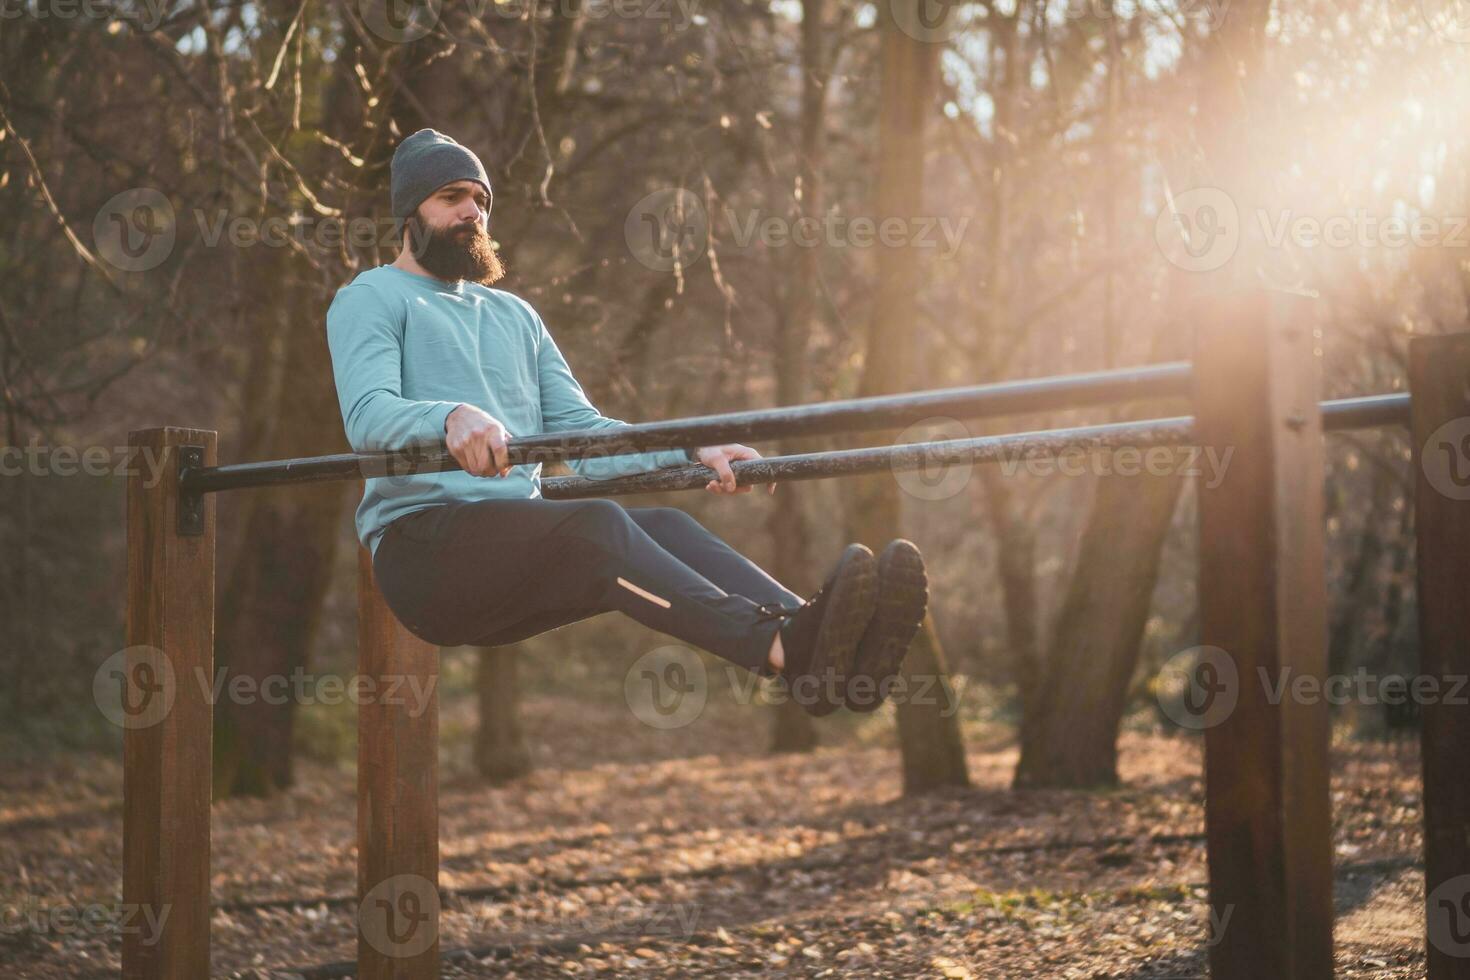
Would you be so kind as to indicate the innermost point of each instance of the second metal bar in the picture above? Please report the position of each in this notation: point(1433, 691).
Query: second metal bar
point(1337, 416)
point(1015, 449)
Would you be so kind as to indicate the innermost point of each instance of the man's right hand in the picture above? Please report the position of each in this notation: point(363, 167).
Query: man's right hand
point(477, 441)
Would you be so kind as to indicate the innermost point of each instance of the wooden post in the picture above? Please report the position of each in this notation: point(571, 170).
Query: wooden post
point(397, 793)
point(163, 677)
point(1262, 602)
point(1439, 381)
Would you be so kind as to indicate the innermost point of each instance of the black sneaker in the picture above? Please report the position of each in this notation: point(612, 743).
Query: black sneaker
point(903, 595)
point(820, 636)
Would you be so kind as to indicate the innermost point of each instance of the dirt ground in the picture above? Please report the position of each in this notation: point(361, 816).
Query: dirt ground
point(692, 853)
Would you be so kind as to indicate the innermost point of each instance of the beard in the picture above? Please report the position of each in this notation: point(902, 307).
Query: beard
point(462, 252)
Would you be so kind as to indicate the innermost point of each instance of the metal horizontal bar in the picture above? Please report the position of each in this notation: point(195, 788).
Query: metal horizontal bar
point(822, 418)
point(1366, 412)
point(1337, 415)
point(1015, 448)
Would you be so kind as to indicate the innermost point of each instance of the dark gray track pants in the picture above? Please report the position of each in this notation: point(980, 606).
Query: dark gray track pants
point(493, 572)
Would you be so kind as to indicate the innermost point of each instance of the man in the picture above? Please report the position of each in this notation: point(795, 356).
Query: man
point(424, 351)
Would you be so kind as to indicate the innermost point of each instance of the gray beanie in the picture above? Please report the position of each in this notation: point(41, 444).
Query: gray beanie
point(425, 162)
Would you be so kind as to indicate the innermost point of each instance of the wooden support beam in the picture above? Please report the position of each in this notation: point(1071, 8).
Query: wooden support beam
point(1262, 602)
point(165, 712)
point(397, 793)
point(1439, 381)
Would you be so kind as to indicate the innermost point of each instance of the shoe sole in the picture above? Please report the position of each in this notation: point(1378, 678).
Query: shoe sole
point(851, 606)
point(903, 597)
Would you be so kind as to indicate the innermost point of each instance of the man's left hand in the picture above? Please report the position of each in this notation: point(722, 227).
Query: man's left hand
point(719, 458)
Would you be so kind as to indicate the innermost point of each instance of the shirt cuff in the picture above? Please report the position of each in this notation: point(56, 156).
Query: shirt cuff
point(666, 458)
point(433, 427)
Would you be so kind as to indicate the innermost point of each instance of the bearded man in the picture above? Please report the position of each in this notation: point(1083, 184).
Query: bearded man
point(426, 351)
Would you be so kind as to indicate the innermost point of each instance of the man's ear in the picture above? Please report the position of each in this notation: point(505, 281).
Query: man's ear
point(410, 239)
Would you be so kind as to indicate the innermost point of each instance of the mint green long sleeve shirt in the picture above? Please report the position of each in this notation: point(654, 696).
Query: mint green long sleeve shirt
point(409, 349)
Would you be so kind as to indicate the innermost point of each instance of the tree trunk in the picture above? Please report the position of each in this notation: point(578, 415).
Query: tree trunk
point(501, 753)
point(1355, 591)
point(928, 718)
point(272, 598)
point(1016, 569)
point(1074, 692)
point(928, 729)
point(1069, 729)
point(792, 729)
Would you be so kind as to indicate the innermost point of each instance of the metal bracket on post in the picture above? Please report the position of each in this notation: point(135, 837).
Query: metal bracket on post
point(191, 505)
